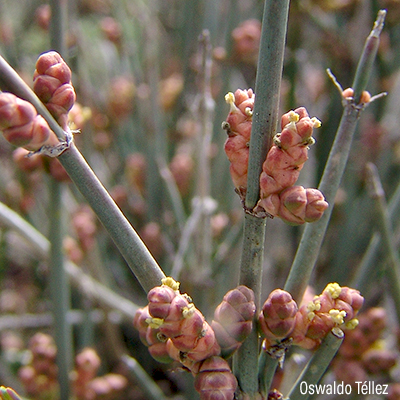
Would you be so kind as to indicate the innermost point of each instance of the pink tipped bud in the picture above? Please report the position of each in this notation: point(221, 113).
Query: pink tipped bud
point(277, 319)
point(316, 205)
point(215, 380)
point(52, 84)
point(62, 100)
point(289, 152)
point(21, 124)
point(151, 337)
point(233, 319)
point(206, 346)
point(160, 298)
point(238, 126)
point(14, 111)
point(52, 64)
point(293, 205)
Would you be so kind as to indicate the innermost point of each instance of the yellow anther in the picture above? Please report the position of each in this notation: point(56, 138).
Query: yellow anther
point(248, 111)
point(188, 311)
point(293, 116)
point(314, 305)
point(154, 323)
point(316, 122)
point(333, 289)
point(310, 315)
point(230, 99)
point(351, 324)
point(171, 282)
point(337, 316)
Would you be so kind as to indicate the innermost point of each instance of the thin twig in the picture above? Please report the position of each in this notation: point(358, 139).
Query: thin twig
point(317, 365)
point(89, 286)
point(313, 234)
point(393, 269)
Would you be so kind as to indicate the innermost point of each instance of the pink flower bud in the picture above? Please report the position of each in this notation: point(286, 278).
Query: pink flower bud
point(151, 337)
point(238, 126)
point(52, 84)
point(233, 319)
point(215, 380)
point(277, 319)
point(378, 361)
point(286, 157)
point(293, 203)
point(14, 111)
point(316, 205)
point(21, 124)
point(160, 298)
point(206, 345)
point(52, 64)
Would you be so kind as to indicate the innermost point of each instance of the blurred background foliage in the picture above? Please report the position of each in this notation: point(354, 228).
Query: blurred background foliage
point(150, 127)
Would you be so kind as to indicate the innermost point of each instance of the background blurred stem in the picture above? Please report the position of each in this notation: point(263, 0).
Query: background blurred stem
point(264, 125)
point(146, 382)
point(60, 292)
point(392, 270)
point(368, 262)
point(86, 284)
point(313, 234)
point(203, 234)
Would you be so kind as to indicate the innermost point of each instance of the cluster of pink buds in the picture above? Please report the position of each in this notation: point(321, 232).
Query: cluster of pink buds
point(233, 319)
point(19, 120)
point(87, 385)
point(285, 159)
point(365, 350)
point(278, 316)
point(306, 326)
point(336, 306)
point(238, 127)
point(52, 84)
point(40, 376)
point(174, 329)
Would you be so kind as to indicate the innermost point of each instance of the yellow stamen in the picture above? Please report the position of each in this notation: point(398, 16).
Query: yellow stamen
point(351, 324)
point(154, 323)
point(333, 289)
point(314, 305)
point(171, 282)
point(316, 122)
point(248, 111)
point(188, 311)
point(230, 99)
point(337, 316)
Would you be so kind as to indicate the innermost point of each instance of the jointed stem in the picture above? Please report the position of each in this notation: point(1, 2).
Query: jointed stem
point(265, 117)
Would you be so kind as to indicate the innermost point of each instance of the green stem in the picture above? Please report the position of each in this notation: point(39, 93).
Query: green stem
point(206, 114)
point(393, 269)
point(319, 362)
point(313, 234)
point(59, 284)
point(365, 65)
point(246, 358)
point(139, 259)
point(264, 125)
point(267, 367)
point(60, 291)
